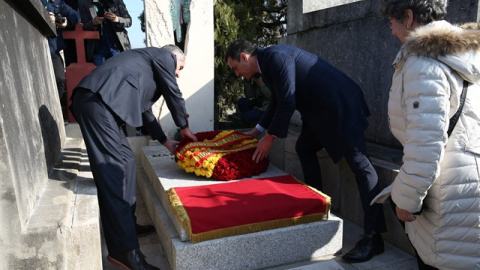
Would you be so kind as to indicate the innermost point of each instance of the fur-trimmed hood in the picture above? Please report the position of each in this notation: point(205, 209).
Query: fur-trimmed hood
point(456, 46)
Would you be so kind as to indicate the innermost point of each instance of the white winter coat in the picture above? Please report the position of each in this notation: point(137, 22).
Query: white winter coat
point(440, 172)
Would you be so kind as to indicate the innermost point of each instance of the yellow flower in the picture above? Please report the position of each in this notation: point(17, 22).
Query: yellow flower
point(211, 166)
point(191, 158)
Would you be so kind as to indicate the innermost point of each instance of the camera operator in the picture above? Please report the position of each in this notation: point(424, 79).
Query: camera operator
point(64, 17)
point(110, 18)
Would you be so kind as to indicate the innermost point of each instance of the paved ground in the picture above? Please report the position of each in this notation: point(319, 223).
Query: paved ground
point(393, 258)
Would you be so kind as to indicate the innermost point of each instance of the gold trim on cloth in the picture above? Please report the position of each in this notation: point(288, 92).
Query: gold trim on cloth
point(216, 145)
point(184, 219)
point(202, 157)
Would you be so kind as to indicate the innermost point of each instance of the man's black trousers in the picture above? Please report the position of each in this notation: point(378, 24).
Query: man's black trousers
point(113, 167)
point(366, 177)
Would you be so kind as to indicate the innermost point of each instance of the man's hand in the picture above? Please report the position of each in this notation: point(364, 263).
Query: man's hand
point(97, 20)
point(187, 133)
point(52, 16)
point(171, 145)
point(62, 25)
point(263, 148)
point(254, 132)
point(404, 215)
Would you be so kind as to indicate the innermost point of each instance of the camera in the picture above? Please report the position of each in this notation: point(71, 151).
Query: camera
point(59, 19)
point(101, 10)
point(102, 5)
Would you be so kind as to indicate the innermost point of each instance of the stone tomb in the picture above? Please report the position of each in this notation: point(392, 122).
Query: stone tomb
point(157, 172)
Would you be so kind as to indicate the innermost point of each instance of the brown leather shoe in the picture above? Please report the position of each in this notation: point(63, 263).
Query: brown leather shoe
point(131, 260)
point(143, 230)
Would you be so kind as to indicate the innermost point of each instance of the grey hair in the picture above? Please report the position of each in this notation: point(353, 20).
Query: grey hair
point(424, 11)
point(175, 50)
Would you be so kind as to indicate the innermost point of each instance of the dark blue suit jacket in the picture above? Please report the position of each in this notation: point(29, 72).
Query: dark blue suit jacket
point(132, 81)
point(59, 7)
point(331, 104)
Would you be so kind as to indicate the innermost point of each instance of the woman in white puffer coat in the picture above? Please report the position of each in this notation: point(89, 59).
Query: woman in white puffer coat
point(437, 190)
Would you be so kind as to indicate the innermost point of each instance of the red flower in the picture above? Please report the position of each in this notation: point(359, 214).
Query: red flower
point(232, 166)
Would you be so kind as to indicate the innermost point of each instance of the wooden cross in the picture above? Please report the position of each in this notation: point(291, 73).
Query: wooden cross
point(76, 71)
point(79, 36)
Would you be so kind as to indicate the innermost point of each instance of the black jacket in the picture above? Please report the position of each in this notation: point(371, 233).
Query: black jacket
point(88, 12)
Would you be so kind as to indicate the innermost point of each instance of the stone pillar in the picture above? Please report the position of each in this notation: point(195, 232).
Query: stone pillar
point(196, 79)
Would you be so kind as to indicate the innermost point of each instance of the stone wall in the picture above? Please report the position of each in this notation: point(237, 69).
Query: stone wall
point(353, 37)
point(32, 131)
point(31, 128)
point(314, 5)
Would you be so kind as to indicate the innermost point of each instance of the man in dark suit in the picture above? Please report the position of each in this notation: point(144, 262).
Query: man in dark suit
point(334, 116)
point(122, 91)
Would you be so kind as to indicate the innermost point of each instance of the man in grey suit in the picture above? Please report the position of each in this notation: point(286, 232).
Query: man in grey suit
point(122, 91)
point(334, 116)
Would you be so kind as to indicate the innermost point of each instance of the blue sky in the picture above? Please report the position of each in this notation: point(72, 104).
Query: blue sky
point(135, 7)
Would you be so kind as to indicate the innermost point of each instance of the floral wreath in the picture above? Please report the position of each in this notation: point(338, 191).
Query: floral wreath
point(223, 155)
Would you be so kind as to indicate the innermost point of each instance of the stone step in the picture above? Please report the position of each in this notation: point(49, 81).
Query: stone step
point(66, 216)
point(259, 250)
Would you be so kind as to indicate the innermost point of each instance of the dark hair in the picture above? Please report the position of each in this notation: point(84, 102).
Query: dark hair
point(239, 46)
point(424, 11)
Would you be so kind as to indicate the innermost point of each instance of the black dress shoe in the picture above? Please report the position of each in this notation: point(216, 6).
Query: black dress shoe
point(365, 249)
point(131, 260)
point(143, 230)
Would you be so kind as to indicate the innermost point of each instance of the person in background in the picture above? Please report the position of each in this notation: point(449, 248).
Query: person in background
point(256, 100)
point(334, 116)
point(436, 194)
point(69, 52)
point(122, 91)
point(110, 18)
point(73, 4)
point(64, 17)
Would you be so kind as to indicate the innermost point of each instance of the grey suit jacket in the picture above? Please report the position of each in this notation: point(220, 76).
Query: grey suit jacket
point(132, 81)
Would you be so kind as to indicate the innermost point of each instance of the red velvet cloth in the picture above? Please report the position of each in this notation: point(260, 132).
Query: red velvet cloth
point(253, 201)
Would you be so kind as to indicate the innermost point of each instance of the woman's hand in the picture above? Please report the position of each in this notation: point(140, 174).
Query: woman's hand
point(111, 16)
point(404, 215)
